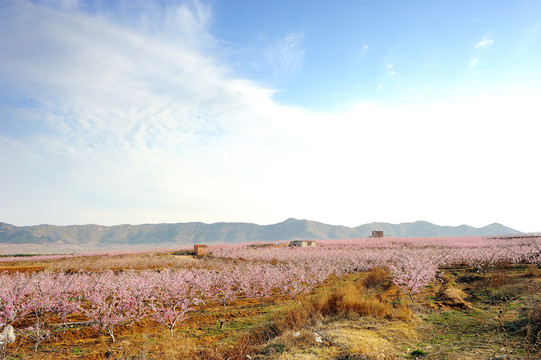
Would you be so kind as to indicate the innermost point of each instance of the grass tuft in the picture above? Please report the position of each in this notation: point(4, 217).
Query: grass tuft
point(376, 277)
point(351, 299)
point(531, 271)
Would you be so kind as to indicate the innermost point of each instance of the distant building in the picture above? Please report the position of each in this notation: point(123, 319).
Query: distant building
point(200, 250)
point(302, 243)
point(377, 233)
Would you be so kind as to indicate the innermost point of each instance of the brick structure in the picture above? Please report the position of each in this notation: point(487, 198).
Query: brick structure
point(200, 250)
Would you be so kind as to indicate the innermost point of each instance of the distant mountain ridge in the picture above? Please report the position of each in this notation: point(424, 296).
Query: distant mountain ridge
point(226, 232)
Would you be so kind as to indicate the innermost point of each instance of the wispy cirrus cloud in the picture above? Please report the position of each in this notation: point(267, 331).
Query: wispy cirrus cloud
point(286, 54)
point(125, 99)
point(485, 43)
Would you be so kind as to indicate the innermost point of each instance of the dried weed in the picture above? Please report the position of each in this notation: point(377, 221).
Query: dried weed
point(376, 277)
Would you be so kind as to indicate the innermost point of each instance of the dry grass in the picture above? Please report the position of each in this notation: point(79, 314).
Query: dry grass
point(376, 277)
point(349, 301)
point(290, 339)
point(531, 271)
point(149, 261)
point(497, 280)
point(124, 262)
point(453, 297)
point(360, 356)
point(239, 351)
point(533, 328)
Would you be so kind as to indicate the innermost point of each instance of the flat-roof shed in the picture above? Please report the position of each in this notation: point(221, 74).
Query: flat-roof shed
point(200, 250)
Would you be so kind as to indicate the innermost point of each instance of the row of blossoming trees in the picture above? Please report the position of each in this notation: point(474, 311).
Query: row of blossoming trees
point(413, 262)
point(34, 302)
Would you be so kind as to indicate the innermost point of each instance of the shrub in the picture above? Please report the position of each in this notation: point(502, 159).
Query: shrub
point(376, 277)
point(350, 300)
point(418, 353)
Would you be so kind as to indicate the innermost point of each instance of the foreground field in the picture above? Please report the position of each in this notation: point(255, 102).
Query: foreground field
point(399, 299)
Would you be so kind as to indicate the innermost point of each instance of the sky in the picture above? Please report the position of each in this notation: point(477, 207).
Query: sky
point(116, 112)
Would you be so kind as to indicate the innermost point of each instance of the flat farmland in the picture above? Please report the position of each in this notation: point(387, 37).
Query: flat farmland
point(392, 298)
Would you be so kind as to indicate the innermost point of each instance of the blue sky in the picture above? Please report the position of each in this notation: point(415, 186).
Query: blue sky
point(363, 50)
point(345, 113)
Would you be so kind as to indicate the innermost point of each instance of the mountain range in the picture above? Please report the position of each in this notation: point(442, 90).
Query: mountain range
point(225, 232)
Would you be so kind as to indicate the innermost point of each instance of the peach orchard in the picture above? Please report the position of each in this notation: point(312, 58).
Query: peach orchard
point(38, 304)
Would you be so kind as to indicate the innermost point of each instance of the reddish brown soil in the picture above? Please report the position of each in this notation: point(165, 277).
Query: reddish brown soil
point(22, 268)
point(206, 326)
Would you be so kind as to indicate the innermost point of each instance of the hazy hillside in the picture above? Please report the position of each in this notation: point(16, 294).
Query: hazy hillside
point(197, 232)
point(424, 228)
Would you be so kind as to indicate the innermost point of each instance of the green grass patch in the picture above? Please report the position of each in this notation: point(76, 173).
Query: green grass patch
point(417, 354)
point(461, 324)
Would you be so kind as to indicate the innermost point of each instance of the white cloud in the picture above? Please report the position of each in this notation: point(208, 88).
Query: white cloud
point(135, 126)
point(474, 62)
point(484, 43)
point(136, 107)
point(364, 50)
point(286, 54)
